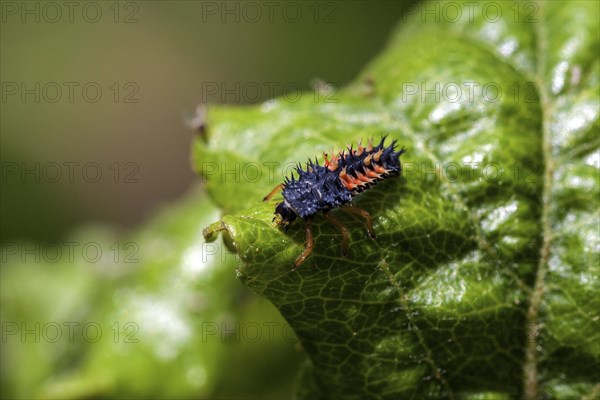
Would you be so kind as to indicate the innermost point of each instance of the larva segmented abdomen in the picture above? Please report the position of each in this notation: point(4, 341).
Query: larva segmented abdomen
point(323, 187)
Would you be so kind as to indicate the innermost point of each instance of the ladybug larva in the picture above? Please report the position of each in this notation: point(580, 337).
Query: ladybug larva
point(332, 185)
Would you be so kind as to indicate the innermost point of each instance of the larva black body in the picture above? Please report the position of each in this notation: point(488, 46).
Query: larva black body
point(333, 184)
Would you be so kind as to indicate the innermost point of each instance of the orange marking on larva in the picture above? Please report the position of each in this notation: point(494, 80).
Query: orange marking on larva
point(356, 181)
point(367, 160)
point(347, 184)
point(370, 145)
point(331, 164)
point(360, 149)
point(371, 173)
point(377, 156)
point(380, 170)
point(363, 178)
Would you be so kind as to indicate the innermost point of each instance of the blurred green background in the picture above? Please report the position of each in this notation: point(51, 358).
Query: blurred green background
point(153, 62)
point(163, 61)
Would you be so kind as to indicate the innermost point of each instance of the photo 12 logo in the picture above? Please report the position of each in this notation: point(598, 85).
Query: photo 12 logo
point(470, 92)
point(68, 331)
point(254, 92)
point(471, 11)
point(270, 11)
point(68, 172)
point(69, 92)
point(52, 12)
point(69, 252)
point(249, 332)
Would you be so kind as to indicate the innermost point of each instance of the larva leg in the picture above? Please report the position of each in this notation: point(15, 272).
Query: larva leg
point(273, 192)
point(343, 229)
point(309, 245)
point(365, 215)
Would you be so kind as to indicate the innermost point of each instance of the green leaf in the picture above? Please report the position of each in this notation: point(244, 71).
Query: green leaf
point(162, 316)
point(483, 279)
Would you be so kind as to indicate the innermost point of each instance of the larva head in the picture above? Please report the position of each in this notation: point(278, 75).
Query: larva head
point(284, 215)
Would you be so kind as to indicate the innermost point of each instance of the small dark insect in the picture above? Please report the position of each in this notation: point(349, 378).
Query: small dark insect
point(332, 185)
